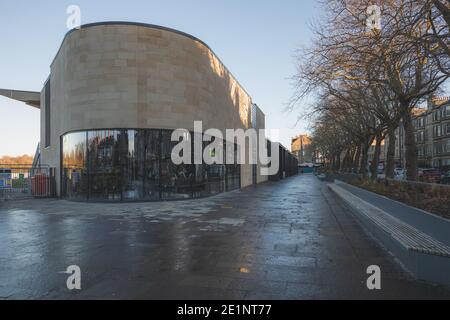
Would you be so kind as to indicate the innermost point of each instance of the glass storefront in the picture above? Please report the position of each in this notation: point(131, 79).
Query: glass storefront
point(136, 165)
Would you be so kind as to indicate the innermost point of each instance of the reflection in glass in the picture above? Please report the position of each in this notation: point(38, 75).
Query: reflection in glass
point(75, 181)
point(135, 165)
point(176, 180)
point(104, 158)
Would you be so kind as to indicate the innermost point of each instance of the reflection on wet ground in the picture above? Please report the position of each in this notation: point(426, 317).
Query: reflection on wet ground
point(286, 240)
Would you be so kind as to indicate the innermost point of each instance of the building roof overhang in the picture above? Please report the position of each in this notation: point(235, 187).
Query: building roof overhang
point(31, 98)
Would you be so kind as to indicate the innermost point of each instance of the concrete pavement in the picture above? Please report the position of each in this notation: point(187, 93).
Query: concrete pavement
point(285, 240)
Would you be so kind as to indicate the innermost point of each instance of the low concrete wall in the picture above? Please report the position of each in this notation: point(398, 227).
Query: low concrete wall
point(347, 177)
point(428, 267)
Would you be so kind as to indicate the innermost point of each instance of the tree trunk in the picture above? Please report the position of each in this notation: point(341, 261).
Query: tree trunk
point(338, 162)
point(376, 158)
point(346, 160)
point(331, 165)
point(390, 157)
point(410, 148)
point(351, 160)
point(364, 158)
point(356, 160)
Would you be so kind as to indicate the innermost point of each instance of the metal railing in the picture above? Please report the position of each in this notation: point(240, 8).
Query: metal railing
point(22, 181)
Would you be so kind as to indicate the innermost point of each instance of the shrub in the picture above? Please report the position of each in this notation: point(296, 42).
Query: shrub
point(433, 198)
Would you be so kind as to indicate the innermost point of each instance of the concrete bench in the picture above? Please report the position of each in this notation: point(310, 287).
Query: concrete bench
point(421, 254)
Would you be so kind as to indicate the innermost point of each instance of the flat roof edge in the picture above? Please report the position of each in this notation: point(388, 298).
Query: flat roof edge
point(31, 98)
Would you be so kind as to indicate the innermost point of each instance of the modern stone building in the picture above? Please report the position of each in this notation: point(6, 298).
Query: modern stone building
point(116, 92)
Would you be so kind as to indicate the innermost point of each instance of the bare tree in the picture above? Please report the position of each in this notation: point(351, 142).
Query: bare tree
point(394, 60)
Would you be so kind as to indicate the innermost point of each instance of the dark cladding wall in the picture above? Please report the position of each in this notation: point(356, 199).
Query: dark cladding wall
point(288, 164)
point(132, 165)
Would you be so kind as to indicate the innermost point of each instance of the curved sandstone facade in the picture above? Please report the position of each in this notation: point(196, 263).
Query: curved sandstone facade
point(133, 76)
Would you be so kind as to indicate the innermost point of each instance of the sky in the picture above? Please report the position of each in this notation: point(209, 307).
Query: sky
point(256, 40)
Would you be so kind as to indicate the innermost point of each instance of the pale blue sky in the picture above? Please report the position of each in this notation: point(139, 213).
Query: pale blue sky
point(255, 39)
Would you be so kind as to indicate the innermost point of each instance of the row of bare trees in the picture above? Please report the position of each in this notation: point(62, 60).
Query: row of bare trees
point(8, 160)
point(367, 80)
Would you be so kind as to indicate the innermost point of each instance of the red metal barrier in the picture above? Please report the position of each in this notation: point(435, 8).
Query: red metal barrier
point(42, 186)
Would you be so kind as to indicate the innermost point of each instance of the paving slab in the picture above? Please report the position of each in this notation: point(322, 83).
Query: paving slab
point(286, 240)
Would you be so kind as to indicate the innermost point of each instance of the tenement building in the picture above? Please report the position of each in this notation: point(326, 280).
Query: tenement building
point(432, 135)
point(116, 92)
point(301, 147)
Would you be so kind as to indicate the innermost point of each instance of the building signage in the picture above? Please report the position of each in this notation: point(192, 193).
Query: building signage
point(5, 179)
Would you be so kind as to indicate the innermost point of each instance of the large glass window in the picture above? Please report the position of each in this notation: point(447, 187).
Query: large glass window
point(176, 180)
point(149, 153)
point(75, 182)
point(133, 165)
point(105, 159)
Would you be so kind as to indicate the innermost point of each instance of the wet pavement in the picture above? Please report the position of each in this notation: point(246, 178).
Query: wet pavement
point(285, 240)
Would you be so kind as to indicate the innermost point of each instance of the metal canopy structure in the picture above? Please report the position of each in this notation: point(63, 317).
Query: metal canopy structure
point(31, 98)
